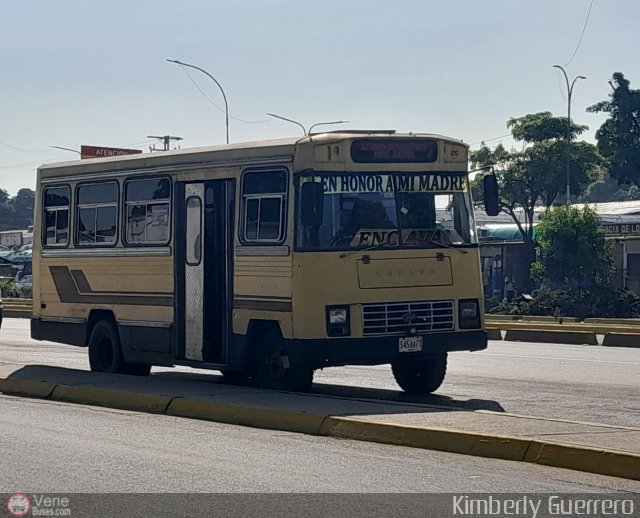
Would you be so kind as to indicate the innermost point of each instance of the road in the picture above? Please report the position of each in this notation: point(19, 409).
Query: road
point(57, 448)
point(581, 383)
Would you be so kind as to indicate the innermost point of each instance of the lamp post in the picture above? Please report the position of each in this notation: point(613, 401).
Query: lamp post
point(67, 149)
point(569, 92)
point(226, 106)
point(306, 132)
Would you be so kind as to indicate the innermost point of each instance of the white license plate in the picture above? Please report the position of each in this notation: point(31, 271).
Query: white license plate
point(410, 344)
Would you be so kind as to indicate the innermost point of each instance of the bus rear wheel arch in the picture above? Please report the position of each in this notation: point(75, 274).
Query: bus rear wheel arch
point(420, 376)
point(105, 352)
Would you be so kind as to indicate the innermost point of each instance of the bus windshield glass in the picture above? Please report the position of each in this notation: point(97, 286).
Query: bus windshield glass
point(388, 210)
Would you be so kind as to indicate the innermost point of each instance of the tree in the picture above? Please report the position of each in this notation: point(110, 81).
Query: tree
point(537, 175)
point(619, 136)
point(608, 189)
point(574, 251)
point(16, 213)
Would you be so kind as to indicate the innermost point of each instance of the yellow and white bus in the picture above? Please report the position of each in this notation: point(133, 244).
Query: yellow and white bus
point(264, 260)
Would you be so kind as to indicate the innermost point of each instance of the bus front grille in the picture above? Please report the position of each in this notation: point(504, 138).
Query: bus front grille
point(398, 317)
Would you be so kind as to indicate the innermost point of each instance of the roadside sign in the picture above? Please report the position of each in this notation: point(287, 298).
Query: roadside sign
point(101, 151)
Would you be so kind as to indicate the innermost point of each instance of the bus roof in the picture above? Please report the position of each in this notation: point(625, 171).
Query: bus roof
point(237, 151)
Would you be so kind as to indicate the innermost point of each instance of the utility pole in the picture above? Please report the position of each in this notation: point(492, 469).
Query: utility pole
point(166, 141)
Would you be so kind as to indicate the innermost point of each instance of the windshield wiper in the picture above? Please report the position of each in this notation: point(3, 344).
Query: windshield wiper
point(365, 249)
point(438, 244)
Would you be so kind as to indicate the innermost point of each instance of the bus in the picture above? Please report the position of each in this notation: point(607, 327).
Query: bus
point(265, 260)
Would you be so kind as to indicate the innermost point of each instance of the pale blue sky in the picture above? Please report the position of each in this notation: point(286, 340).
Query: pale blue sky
point(79, 72)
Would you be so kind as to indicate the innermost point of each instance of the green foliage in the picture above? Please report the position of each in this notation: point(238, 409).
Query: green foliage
point(537, 174)
point(573, 249)
point(16, 213)
point(608, 189)
point(6, 285)
point(595, 303)
point(619, 136)
point(539, 127)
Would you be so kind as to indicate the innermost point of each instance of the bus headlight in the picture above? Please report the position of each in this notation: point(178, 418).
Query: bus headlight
point(468, 314)
point(338, 322)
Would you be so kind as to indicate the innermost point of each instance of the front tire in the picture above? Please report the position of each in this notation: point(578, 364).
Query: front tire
point(274, 370)
point(420, 376)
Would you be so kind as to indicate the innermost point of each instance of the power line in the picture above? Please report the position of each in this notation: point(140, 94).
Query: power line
point(490, 139)
point(214, 104)
point(24, 150)
point(581, 35)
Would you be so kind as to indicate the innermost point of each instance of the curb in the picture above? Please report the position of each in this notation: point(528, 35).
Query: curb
point(256, 417)
point(592, 460)
point(440, 439)
point(136, 401)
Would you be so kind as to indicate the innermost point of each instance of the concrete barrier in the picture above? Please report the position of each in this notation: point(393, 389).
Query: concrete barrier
point(621, 340)
point(552, 337)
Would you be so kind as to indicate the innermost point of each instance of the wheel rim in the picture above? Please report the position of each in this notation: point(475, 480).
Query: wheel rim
point(276, 368)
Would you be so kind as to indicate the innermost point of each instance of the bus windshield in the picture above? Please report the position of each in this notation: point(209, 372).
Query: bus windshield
point(389, 210)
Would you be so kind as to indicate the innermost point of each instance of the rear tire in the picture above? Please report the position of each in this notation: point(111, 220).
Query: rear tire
point(420, 376)
point(274, 370)
point(105, 352)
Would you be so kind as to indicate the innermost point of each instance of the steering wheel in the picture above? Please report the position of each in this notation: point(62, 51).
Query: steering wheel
point(341, 240)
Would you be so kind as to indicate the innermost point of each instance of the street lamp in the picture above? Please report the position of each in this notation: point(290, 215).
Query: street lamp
point(306, 132)
point(569, 92)
point(67, 149)
point(226, 106)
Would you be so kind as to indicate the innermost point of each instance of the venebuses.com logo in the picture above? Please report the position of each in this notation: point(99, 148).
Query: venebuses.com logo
point(18, 504)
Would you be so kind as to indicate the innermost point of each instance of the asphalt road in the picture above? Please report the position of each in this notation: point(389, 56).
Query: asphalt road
point(581, 383)
point(57, 448)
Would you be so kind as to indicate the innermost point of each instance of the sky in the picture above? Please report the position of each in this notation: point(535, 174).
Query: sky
point(78, 72)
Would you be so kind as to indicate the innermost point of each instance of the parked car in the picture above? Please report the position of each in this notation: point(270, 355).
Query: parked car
point(24, 287)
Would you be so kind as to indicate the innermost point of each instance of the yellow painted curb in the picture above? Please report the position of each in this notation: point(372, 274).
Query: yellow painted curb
point(452, 441)
point(152, 403)
point(582, 458)
point(256, 417)
point(29, 388)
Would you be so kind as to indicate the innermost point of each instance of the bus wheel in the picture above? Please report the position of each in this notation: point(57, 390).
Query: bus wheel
point(275, 372)
point(105, 354)
point(421, 376)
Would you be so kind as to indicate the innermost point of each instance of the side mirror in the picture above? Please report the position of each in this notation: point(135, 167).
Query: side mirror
point(312, 204)
point(491, 202)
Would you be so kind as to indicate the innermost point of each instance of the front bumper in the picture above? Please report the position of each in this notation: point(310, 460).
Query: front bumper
point(377, 350)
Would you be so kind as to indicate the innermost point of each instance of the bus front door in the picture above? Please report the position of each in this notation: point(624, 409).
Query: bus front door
point(203, 259)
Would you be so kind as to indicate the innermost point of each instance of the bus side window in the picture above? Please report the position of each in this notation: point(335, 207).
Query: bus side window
point(264, 202)
point(97, 214)
point(147, 211)
point(56, 216)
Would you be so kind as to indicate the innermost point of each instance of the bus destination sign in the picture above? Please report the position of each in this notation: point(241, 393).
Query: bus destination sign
point(394, 151)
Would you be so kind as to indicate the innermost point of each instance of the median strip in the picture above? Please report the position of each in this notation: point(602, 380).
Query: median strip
point(523, 449)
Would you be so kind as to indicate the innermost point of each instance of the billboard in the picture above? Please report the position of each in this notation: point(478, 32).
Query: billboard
point(101, 151)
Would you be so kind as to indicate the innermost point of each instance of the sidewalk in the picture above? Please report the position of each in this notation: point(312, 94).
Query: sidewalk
point(592, 447)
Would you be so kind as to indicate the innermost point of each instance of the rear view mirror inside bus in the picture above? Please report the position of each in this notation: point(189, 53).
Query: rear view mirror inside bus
point(312, 204)
point(491, 203)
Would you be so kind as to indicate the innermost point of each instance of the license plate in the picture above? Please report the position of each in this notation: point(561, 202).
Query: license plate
point(410, 344)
